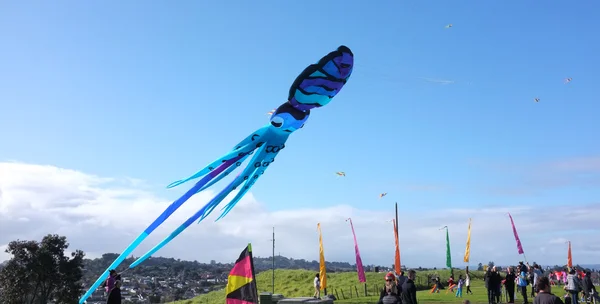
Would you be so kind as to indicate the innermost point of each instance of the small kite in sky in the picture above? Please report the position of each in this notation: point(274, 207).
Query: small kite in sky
point(536, 99)
point(271, 112)
point(341, 173)
point(567, 80)
point(449, 25)
point(382, 194)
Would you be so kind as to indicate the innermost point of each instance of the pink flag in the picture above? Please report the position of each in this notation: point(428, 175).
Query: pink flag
point(359, 265)
point(519, 246)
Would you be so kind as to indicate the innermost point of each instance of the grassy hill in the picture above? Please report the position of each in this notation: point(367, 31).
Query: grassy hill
point(296, 283)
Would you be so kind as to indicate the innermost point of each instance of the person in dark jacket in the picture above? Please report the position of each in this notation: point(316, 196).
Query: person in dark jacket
point(114, 296)
point(509, 284)
point(489, 284)
point(497, 280)
point(409, 290)
point(588, 287)
point(401, 279)
point(390, 293)
point(544, 295)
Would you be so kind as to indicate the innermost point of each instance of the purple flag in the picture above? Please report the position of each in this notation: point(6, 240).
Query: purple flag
point(359, 266)
point(519, 246)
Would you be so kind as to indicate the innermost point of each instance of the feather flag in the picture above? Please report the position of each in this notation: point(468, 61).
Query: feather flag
point(448, 254)
point(322, 270)
point(397, 265)
point(359, 266)
point(519, 246)
point(569, 257)
point(241, 282)
point(468, 249)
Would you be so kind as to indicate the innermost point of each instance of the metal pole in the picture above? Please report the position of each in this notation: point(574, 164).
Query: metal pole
point(397, 218)
point(397, 230)
point(273, 280)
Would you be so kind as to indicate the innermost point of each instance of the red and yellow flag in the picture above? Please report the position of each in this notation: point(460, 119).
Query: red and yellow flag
point(241, 282)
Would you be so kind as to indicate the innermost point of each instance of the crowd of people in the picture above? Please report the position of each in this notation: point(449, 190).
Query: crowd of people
point(502, 288)
point(577, 284)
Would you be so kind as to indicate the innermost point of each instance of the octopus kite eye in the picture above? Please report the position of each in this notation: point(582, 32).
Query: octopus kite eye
point(277, 122)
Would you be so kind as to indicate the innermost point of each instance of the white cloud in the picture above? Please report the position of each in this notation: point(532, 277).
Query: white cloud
point(101, 215)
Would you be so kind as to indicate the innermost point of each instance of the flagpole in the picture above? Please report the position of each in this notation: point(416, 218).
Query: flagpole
point(397, 230)
point(273, 266)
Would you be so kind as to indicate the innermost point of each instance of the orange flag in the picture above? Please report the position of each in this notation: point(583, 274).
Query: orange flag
point(569, 257)
point(397, 264)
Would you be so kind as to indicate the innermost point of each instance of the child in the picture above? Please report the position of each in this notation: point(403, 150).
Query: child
point(460, 284)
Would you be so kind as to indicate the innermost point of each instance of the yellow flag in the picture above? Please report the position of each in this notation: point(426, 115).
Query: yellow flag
point(322, 272)
point(468, 250)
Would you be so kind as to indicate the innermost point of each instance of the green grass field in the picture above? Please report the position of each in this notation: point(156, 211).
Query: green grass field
point(298, 283)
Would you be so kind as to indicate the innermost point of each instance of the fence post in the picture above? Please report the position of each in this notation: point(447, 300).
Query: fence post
point(343, 295)
point(336, 293)
point(366, 293)
point(356, 289)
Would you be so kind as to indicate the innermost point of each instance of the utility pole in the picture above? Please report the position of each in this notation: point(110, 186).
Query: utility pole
point(273, 279)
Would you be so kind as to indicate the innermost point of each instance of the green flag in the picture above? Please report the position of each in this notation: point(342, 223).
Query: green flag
point(448, 255)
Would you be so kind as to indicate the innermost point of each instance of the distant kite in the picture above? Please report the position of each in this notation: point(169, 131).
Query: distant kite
point(271, 112)
point(341, 173)
point(449, 25)
point(567, 80)
point(382, 194)
point(536, 99)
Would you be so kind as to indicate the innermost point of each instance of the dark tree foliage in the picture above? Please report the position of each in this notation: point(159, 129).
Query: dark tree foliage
point(39, 272)
point(480, 267)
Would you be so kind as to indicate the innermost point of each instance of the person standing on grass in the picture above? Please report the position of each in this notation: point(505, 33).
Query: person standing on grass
point(522, 281)
point(544, 295)
point(572, 286)
point(114, 296)
point(588, 287)
point(401, 279)
point(537, 274)
point(459, 288)
point(409, 290)
point(389, 294)
point(497, 280)
point(468, 281)
point(509, 284)
point(317, 284)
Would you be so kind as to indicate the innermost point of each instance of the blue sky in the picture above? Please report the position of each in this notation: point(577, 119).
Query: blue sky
point(155, 90)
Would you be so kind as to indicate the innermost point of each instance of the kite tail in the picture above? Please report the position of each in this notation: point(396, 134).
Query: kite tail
point(160, 219)
point(280, 141)
point(205, 210)
point(247, 145)
point(226, 172)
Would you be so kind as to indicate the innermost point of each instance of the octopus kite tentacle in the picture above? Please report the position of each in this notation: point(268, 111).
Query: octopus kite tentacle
point(248, 143)
point(313, 88)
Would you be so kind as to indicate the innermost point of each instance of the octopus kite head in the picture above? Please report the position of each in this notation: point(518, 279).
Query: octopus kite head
point(320, 82)
point(288, 119)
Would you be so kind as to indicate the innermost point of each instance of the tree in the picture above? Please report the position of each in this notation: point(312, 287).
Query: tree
point(41, 273)
point(490, 264)
point(480, 267)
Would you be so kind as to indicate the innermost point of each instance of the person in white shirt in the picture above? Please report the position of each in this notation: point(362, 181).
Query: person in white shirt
point(317, 284)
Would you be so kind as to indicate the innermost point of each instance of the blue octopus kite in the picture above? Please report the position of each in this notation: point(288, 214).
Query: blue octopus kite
point(313, 88)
